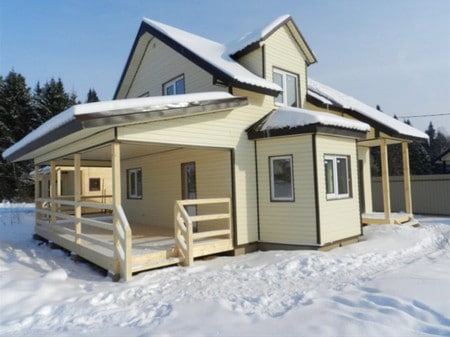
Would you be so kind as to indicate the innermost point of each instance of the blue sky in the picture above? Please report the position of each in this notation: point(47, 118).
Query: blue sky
point(395, 53)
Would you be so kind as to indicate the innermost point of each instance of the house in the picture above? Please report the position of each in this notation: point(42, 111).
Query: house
point(444, 161)
point(213, 148)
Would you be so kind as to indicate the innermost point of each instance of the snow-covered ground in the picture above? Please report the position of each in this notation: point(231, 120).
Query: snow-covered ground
point(395, 282)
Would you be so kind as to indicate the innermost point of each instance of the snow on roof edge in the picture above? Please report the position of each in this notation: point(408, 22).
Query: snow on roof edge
point(84, 110)
point(334, 97)
point(213, 53)
point(288, 117)
point(257, 35)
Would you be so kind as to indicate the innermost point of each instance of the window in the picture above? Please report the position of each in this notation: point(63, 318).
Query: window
point(281, 178)
point(94, 184)
point(134, 181)
point(336, 177)
point(289, 83)
point(174, 87)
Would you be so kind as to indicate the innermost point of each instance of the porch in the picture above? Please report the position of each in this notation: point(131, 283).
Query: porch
point(123, 249)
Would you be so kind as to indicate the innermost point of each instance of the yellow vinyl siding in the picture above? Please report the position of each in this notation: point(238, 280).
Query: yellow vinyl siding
point(339, 218)
point(281, 51)
point(288, 222)
point(253, 62)
point(161, 182)
point(161, 64)
point(224, 129)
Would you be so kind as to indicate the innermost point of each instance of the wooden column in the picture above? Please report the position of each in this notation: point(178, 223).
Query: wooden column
point(385, 180)
point(406, 178)
point(53, 190)
point(77, 195)
point(36, 194)
point(117, 201)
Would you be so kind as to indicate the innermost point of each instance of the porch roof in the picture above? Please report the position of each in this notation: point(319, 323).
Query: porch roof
point(329, 98)
point(288, 121)
point(104, 115)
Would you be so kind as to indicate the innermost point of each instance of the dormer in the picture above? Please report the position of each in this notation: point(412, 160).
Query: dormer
point(278, 53)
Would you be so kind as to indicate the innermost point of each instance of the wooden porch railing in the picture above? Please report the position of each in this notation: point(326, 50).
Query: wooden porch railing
point(185, 238)
point(53, 220)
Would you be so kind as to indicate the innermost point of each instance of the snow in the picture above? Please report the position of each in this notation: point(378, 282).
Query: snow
point(394, 282)
point(114, 107)
point(214, 53)
point(332, 96)
point(255, 36)
point(288, 117)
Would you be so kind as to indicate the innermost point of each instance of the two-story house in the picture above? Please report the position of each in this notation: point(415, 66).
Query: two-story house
point(212, 149)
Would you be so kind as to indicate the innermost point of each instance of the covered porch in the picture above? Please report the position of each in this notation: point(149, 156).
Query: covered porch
point(387, 216)
point(123, 245)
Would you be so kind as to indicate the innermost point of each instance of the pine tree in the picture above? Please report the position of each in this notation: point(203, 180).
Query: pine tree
point(17, 118)
point(51, 99)
point(92, 96)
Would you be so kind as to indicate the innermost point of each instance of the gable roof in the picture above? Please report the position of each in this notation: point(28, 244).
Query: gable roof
point(98, 116)
point(252, 40)
point(288, 121)
point(326, 96)
point(209, 55)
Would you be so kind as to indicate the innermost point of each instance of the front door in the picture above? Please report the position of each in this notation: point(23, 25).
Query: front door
point(189, 187)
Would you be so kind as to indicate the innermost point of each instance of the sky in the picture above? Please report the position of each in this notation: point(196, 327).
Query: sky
point(395, 54)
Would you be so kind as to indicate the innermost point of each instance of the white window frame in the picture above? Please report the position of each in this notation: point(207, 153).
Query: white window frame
point(335, 193)
point(273, 187)
point(173, 83)
point(283, 95)
point(134, 183)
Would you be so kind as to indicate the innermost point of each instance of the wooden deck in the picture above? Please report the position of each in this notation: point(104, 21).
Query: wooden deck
point(395, 218)
point(93, 238)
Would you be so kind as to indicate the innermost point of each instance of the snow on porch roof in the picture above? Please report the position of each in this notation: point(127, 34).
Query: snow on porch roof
point(287, 120)
point(332, 97)
point(108, 114)
point(211, 55)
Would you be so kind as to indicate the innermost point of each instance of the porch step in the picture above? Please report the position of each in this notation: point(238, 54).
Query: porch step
point(412, 223)
point(156, 264)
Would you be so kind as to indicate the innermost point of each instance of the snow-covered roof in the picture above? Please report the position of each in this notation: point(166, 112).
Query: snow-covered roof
point(119, 112)
point(332, 97)
point(209, 55)
point(253, 38)
point(289, 119)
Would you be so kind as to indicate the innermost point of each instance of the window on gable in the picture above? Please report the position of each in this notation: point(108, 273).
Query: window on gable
point(134, 183)
point(281, 178)
point(289, 83)
point(174, 87)
point(337, 177)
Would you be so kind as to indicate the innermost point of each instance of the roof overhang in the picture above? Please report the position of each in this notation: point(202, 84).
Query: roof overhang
point(287, 21)
point(101, 116)
point(379, 127)
point(288, 121)
point(144, 35)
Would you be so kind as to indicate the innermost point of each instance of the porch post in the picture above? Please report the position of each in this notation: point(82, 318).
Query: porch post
point(406, 178)
point(53, 195)
point(77, 196)
point(36, 194)
point(385, 180)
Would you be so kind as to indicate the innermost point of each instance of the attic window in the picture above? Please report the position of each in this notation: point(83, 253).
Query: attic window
point(289, 83)
point(174, 87)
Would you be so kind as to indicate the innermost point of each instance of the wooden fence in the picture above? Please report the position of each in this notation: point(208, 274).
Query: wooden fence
point(430, 194)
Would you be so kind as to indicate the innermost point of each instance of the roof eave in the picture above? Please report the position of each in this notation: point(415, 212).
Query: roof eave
point(126, 117)
point(363, 118)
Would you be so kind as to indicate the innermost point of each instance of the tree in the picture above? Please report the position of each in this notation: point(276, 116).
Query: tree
point(92, 96)
point(17, 118)
point(437, 145)
point(51, 99)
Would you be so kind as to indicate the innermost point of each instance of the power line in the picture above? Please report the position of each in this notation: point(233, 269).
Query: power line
point(433, 115)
